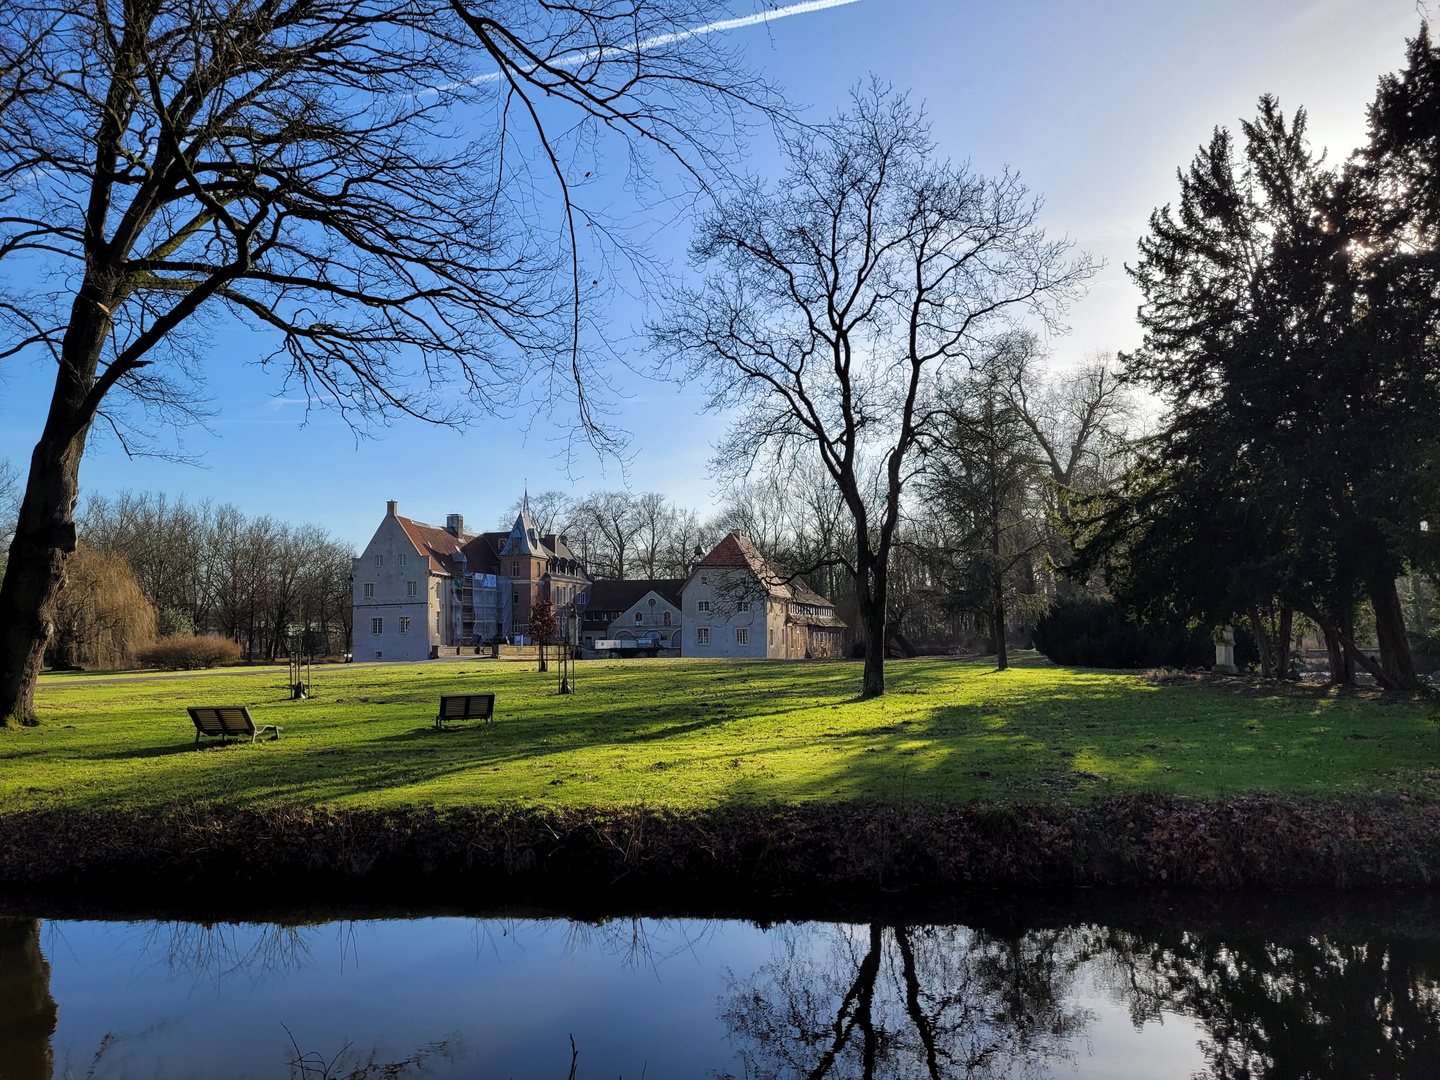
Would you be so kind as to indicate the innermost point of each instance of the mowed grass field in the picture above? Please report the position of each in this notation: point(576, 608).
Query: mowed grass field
point(689, 733)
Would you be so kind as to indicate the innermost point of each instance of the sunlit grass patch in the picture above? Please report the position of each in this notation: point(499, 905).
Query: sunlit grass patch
point(688, 733)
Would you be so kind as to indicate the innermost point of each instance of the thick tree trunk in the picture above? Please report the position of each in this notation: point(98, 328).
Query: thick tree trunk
point(870, 604)
point(1282, 643)
point(45, 529)
point(1262, 643)
point(872, 621)
point(1342, 665)
point(1390, 632)
point(1002, 655)
point(27, 1011)
point(44, 539)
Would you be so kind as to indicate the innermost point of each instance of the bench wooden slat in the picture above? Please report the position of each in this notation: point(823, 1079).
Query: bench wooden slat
point(465, 707)
point(225, 721)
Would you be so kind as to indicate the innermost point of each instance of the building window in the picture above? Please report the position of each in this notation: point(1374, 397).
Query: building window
point(402, 558)
point(704, 580)
point(379, 560)
point(437, 622)
point(514, 569)
point(404, 624)
point(702, 635)
point(369, 590)
point(377, 626)
point(638, 618)
point(742, 636)
point(743, 605)
point(666, 618)
point(412, 588)
point(514, 596)
point(702, 605)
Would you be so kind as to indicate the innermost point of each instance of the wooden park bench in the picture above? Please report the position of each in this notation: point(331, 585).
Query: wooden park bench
point(465, 707)
point(224, 721)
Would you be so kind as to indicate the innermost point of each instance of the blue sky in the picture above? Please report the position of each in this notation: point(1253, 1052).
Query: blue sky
point(1095, 103)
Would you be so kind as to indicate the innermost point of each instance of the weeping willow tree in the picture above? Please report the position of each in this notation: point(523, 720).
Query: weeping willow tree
point(102, 618)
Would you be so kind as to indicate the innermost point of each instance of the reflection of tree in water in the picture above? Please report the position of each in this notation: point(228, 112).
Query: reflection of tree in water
point(636, 942)
point(885, 1002)
point(218, 951)
point(1302, 1010)
point(27, 1012)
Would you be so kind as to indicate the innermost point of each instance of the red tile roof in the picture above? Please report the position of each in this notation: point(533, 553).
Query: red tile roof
point(434, 543)
point(736, 550)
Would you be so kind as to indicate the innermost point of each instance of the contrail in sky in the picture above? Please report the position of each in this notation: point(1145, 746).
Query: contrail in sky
point(572, 59)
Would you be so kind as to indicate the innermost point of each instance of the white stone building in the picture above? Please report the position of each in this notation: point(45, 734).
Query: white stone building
point(402, 588)
point(734, 604)
point(419, 588)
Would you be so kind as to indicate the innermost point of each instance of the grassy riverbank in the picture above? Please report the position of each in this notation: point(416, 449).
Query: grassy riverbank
point(692, 735)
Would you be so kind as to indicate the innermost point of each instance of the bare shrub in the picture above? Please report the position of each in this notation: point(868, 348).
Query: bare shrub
point(186, 652)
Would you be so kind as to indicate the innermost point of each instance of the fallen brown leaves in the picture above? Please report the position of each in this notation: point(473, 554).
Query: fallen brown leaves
point(1245, 842)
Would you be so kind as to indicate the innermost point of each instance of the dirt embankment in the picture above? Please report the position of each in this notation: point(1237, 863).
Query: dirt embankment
point(775, 851)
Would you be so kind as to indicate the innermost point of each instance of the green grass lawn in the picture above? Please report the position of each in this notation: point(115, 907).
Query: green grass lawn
point(686, 733)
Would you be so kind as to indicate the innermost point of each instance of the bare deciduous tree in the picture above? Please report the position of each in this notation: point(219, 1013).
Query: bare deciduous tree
point(837, 300)
point(298, 166)
point(550, 511)
point(980, 484)
point(612, 521)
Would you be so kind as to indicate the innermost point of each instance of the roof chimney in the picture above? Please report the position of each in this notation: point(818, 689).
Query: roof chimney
point(454, 525)
point(390, 508)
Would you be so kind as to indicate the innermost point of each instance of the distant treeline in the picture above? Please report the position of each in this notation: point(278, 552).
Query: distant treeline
point(266, 584)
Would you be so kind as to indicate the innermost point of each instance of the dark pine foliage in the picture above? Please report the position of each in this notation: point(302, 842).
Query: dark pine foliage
point(1087, 632)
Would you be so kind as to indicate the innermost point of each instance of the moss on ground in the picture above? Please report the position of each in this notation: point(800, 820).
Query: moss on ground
point(688, 734)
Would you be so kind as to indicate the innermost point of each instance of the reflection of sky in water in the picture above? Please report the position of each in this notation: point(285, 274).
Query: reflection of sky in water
point(479, 998)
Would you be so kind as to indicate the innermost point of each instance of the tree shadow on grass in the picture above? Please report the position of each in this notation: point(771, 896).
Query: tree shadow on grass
point(127, 753)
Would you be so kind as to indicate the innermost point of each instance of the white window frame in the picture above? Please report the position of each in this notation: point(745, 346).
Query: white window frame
point(404, 624)
point(742, 635)
point(369, 590)
point(412, 588)
point(402, 558)
point(702, 605)
point(377, 626)
point(379, 560)
point(702, 635)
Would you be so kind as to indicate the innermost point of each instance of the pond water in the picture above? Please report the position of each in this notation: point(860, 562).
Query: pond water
point(1303, 992)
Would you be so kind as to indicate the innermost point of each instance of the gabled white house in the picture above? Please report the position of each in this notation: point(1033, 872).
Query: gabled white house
point(634, 610)
point(402, 588)
point(735, 604)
